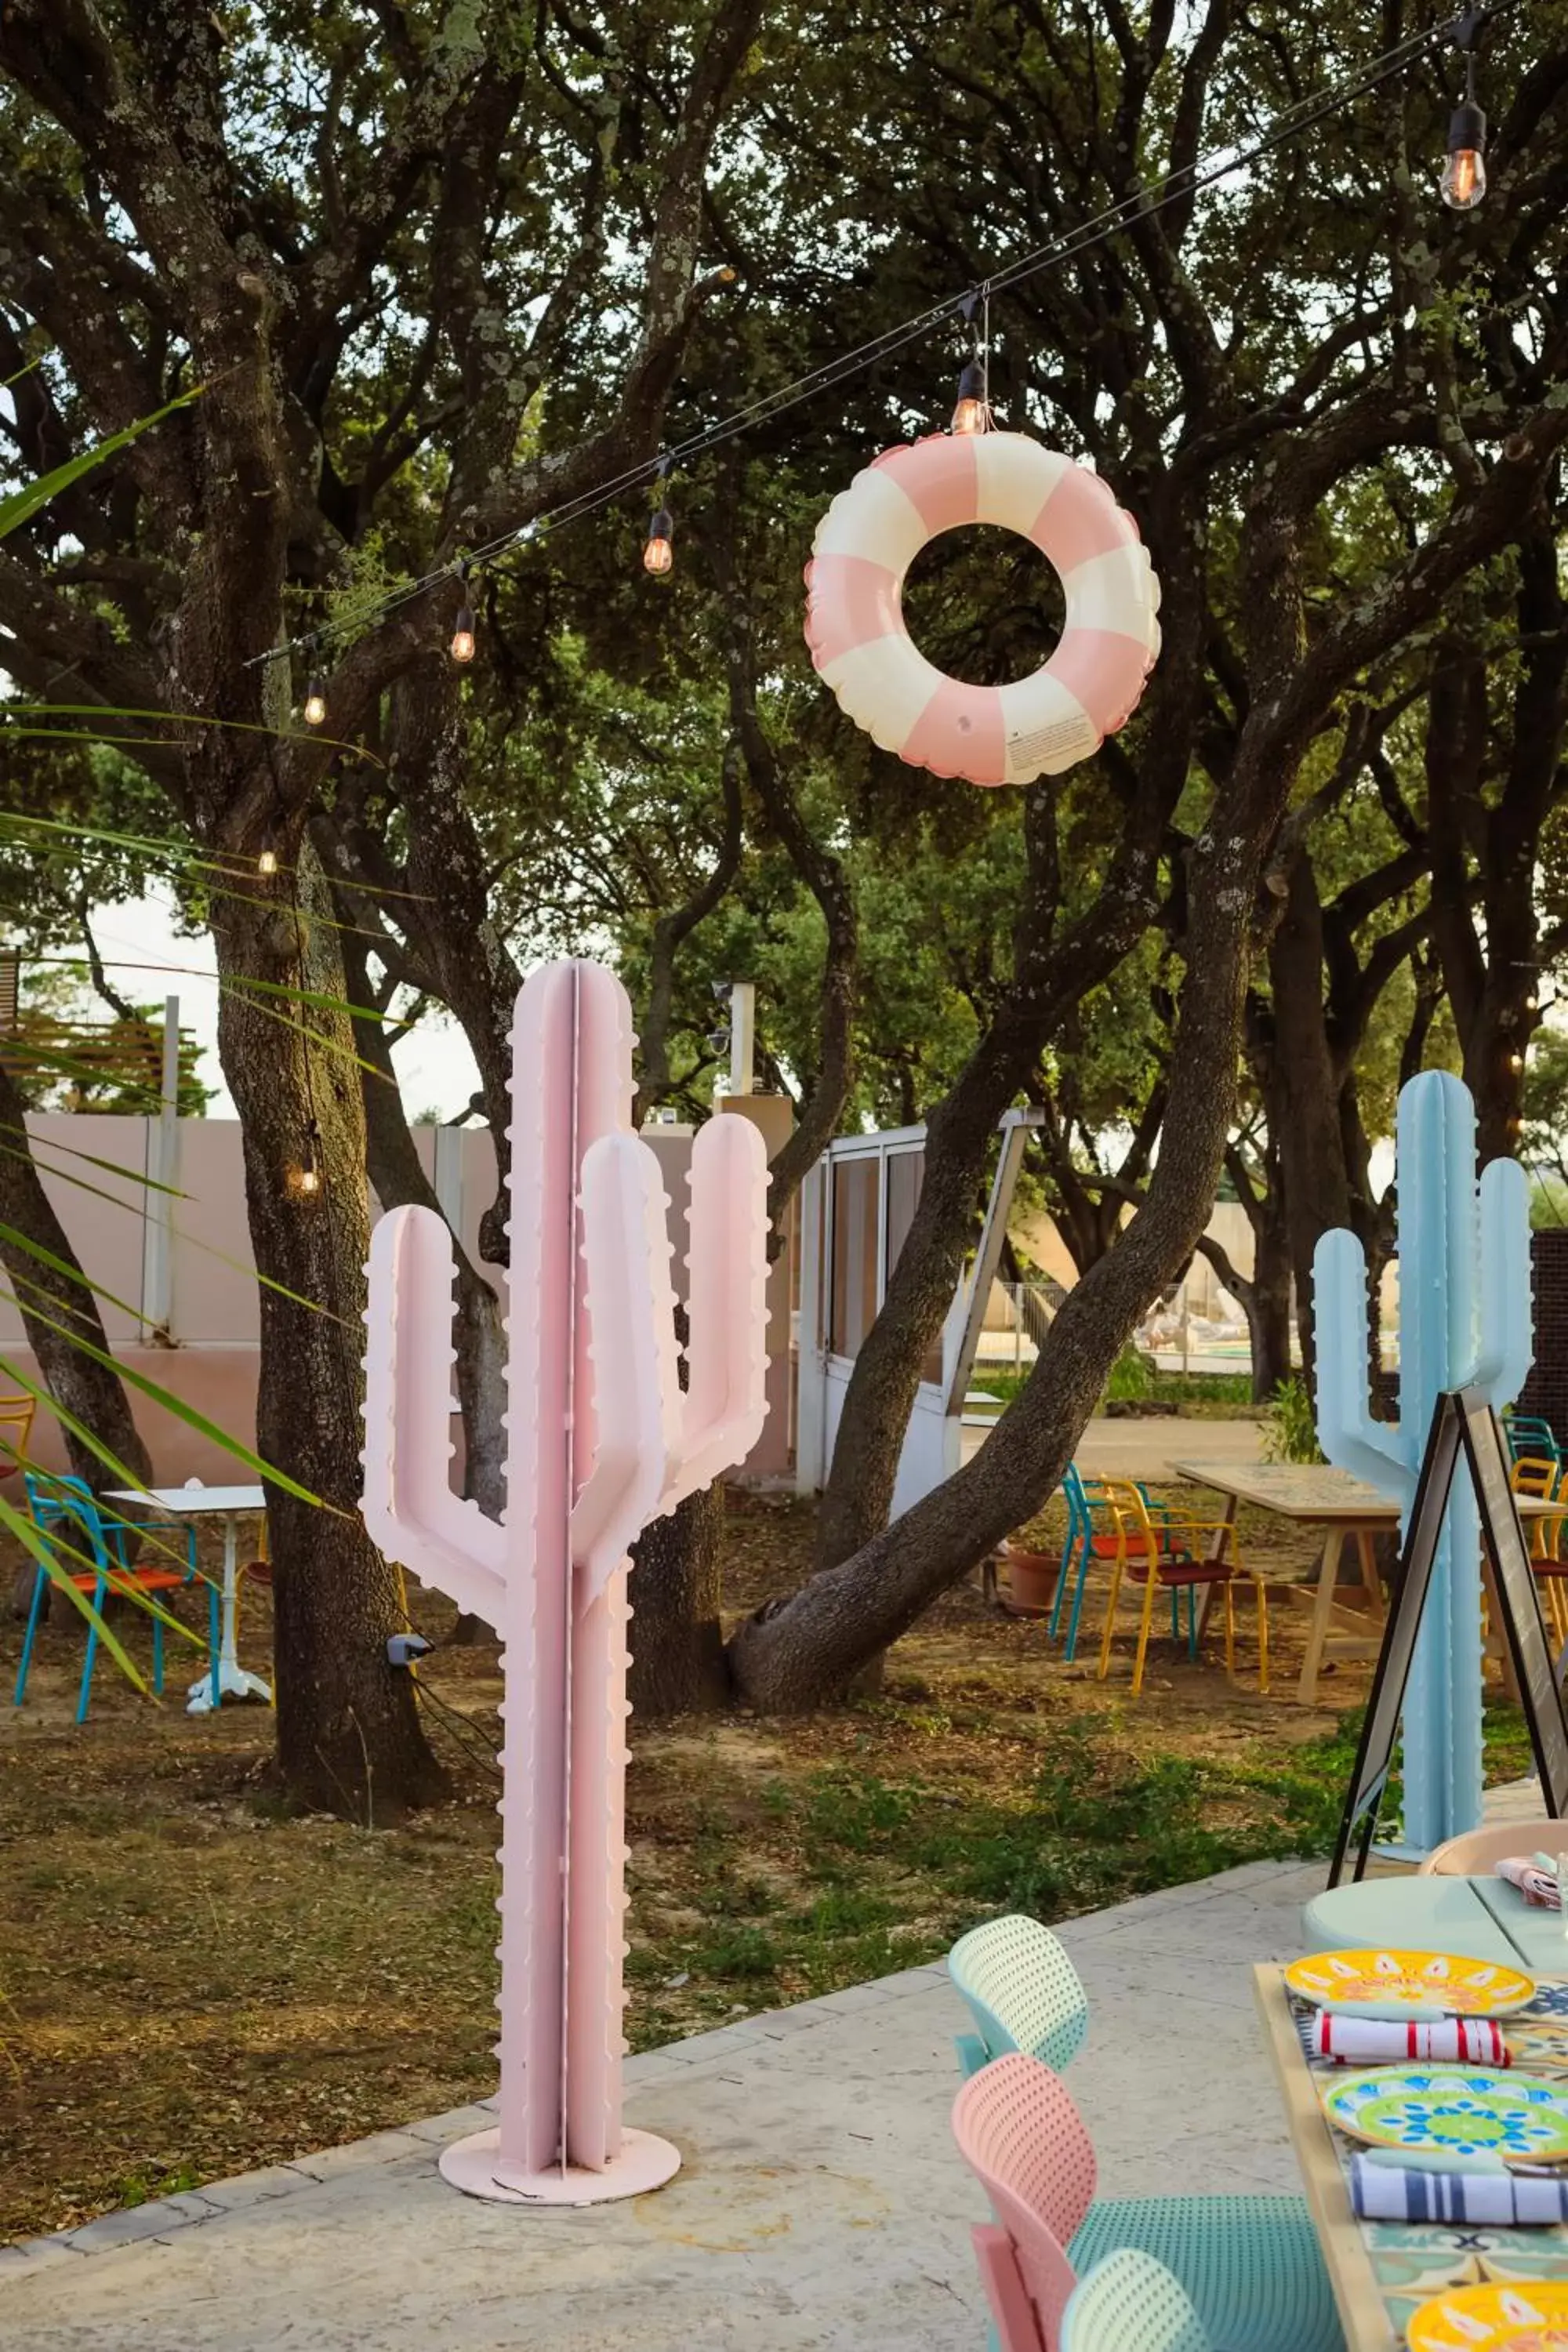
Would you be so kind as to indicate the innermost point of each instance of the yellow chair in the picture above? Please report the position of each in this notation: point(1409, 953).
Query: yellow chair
point(15, 1428)
point(1535, 1474)
point(1159, 1547)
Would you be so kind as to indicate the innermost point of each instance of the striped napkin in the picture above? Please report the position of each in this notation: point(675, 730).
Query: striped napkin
point(1374, 2040)
point(1389, 2192)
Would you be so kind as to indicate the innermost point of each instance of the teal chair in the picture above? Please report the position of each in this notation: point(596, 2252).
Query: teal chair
point(1076, 1553)
point(1250, 2265)
point(66, 1509)
point(1085, 1542)
point(1130, 2303)
point(1528, 1435)
point(1023, 1992)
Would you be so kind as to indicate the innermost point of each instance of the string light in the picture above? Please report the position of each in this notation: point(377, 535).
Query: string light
point(1464, 181)
point(1145, 202)
point(973, 412)
point(1516, 1061)
point(306, 1178)
point(658, 552)
point(463, 627)
point(267, 859)
point(315, 701)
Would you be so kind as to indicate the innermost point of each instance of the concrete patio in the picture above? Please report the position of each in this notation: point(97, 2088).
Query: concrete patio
point(820, 2202)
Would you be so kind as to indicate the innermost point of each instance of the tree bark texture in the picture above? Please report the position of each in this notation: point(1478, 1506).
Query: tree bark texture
point(676, 1588)
point(349, 1737)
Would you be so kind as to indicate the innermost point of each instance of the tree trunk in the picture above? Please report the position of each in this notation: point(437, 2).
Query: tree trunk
point(1304, 1111)
point(1268, 1309)
point(676, 1584)
point(349, 1737)
point(801, 1652)
point(57, 1314)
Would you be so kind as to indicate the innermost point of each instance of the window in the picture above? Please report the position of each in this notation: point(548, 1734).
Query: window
point(853, 1304)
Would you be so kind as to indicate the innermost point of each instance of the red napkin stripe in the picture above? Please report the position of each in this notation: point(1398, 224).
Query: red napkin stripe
point(1473, 2041)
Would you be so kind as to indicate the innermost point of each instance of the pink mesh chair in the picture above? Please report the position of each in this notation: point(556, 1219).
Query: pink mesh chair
point(1020, 2135)
point(1249, 2264)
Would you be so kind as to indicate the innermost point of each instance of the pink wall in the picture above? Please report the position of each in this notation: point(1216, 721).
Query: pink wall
point(214, 1320)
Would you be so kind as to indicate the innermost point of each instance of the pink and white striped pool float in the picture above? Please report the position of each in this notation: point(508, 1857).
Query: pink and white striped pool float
point(988, 734)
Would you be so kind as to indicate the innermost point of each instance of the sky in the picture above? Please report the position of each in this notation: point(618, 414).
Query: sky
point(148, 960)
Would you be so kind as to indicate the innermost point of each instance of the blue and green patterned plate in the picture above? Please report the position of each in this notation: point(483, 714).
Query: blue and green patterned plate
point(1461, 2111)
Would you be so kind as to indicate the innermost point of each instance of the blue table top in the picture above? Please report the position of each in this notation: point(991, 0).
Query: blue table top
point(1483, 1919)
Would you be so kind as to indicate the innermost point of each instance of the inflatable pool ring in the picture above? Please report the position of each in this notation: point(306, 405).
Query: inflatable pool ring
point(989, 734)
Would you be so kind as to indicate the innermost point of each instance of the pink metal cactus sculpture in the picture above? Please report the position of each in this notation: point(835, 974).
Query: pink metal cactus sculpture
point(602, 1440)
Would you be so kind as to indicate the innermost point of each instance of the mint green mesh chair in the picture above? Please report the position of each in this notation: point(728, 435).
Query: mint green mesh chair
point(1023, 1992)
point(1249, 2264)
point(1130, 2303)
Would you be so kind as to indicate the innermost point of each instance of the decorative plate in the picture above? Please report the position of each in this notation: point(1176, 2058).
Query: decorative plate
point(1460, 2110)
point(1531, 2317)
point(1430, 1979)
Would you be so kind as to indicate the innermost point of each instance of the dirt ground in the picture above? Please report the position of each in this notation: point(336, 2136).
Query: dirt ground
point(194, 1982)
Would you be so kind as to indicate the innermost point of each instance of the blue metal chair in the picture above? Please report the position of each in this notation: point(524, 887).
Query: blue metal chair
point(69, 1507)
point(1023, 1992)
point(1528, 1433)
point(1092, 1534)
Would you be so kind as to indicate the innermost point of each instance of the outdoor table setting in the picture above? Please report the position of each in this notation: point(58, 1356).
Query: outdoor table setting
point(230, 1503)
point(1347, 1617)
point(1426, 2096)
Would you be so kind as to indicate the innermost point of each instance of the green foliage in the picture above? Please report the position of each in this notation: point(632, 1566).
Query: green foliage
point(1132, 1377)
point(1290, 1424)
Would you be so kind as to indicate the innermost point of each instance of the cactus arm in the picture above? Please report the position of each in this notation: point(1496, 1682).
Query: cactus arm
point(409, 1506)
point(727, 1355)
point(1507, 1343)
point(636, 1385)
point(1346, 1430)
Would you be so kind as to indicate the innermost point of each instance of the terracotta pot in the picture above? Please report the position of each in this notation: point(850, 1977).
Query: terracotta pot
point(1031, 1582)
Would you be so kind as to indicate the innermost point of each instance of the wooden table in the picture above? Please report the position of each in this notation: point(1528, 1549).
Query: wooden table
point(1381, 2272)
point(1363, 2314)
point(1314, 1495)
point(1311, 1495)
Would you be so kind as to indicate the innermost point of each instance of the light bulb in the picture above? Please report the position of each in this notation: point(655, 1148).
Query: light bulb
point(1516, 1061)
point(658, 552)
point(308, 1179)
point(972, 414)
point(266, 862)
point(1464, 181)
point(315, 703)
point(463, 634)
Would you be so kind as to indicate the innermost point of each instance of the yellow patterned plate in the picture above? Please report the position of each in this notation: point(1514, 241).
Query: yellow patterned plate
point(1531, 2317)
point(1430, 1979)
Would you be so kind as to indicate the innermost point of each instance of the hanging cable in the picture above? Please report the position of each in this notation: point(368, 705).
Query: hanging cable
point(1143, 203)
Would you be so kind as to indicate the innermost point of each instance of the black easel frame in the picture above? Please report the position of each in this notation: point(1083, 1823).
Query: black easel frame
point(1464, 1422)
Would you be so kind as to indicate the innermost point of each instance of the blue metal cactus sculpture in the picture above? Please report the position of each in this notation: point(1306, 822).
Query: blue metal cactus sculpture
point(1465, 1321)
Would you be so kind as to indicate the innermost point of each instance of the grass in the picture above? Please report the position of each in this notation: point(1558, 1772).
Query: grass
point(194, 1982)
point(1213, 1396)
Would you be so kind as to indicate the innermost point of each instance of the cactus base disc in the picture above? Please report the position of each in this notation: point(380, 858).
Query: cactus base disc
point(644, 2162)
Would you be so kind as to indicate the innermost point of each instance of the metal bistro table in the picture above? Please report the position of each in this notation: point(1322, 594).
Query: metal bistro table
point(231, 1503)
